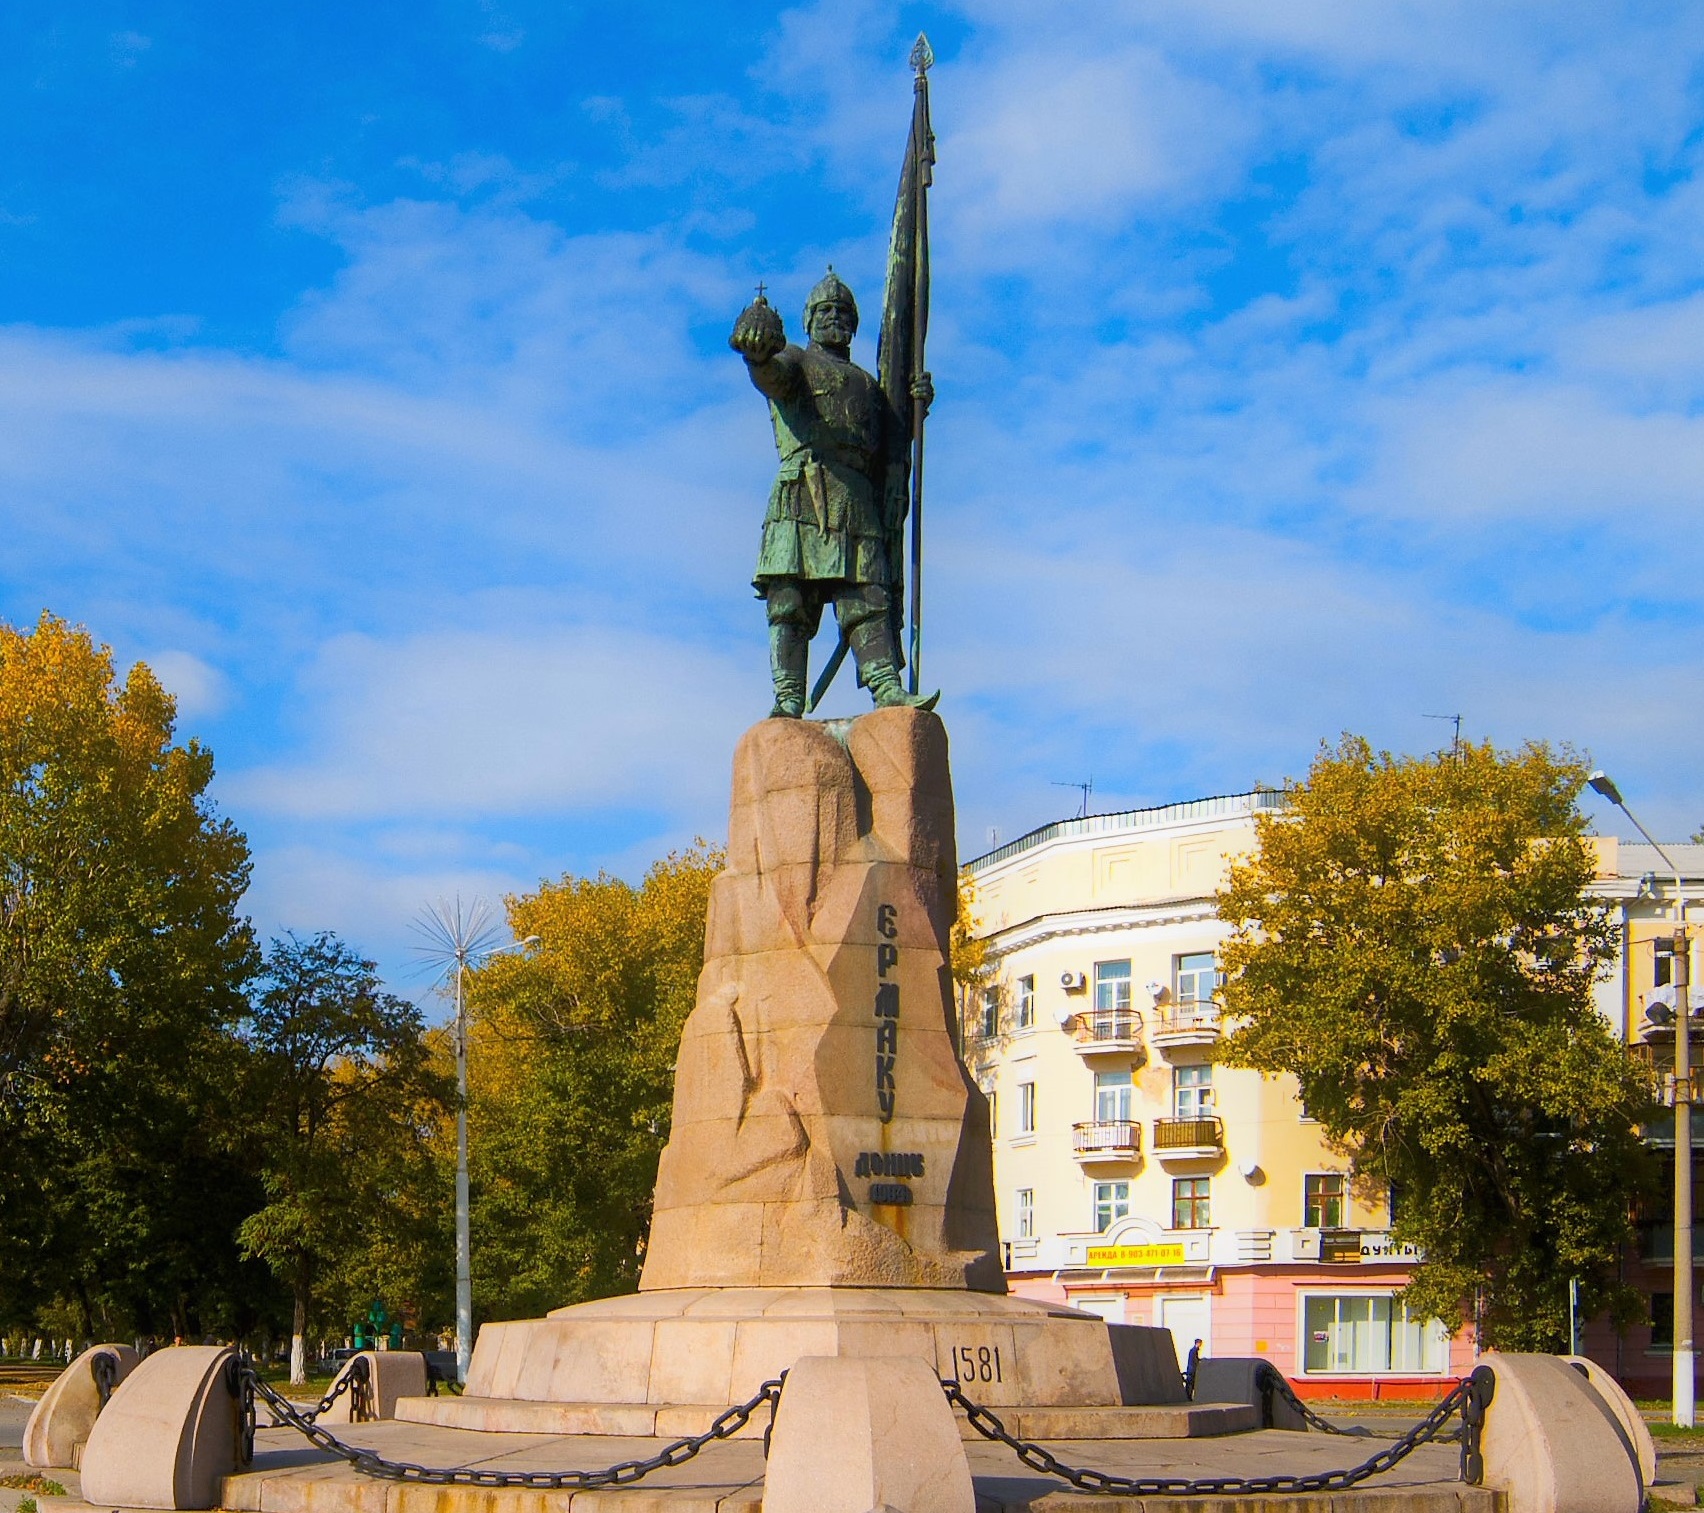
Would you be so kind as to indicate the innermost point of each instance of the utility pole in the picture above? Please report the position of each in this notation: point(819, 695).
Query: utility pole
point(464, 1233)
point(458, 938)
point(1685, 1395)
point(1685, 1407)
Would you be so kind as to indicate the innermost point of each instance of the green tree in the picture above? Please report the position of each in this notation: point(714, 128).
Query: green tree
point(571, 1078)
point(344, 1091)
point(1413, 941)
point(122, 967)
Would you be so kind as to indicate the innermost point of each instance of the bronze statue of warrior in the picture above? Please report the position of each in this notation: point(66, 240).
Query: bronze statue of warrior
point(834, 525)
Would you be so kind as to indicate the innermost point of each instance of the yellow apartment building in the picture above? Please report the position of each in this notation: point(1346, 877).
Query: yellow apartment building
point(1137, 1179)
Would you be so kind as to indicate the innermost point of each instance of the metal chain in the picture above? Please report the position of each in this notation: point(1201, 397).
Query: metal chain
point(357, 1381)
point(1469, 1397)
point(287, 1414)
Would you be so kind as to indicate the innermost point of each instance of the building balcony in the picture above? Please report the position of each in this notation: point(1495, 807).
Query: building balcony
point(1188, 1139)
point(1108, 1032)
point(1103, 1141)
point(1187, 1023)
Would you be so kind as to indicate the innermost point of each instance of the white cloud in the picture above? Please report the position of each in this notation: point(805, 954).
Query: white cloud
point(200, 689)
point(502, 725)
point(1061, 141)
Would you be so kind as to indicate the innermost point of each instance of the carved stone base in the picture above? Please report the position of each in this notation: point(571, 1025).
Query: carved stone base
point(825, 1133)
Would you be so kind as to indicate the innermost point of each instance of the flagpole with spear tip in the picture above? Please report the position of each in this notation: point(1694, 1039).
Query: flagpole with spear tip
point(899, 361)
point(922, 57)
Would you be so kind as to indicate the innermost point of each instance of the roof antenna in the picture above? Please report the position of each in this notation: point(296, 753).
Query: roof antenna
point(1455, 719)
point(1085, 789)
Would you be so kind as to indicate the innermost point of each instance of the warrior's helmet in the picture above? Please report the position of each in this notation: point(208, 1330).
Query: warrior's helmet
point(831, 291)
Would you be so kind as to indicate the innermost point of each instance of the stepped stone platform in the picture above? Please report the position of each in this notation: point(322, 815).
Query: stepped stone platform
point(658, 1362)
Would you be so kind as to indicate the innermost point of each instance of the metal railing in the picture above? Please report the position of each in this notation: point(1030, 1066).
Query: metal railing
point(1188, 1015)
point(1108, 1024)
point(1222, 806)
point(1187, 1134)
point(1107, 1137)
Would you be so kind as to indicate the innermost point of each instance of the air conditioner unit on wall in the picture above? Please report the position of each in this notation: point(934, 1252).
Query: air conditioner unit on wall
point(1073, 982)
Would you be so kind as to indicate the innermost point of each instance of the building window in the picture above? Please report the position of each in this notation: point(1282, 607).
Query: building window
point(1195, 977)
point(1361, 1333)
point(1026, 1108)
point(988, 1019)
point(1112, 987)
point(1026, 1003)
point(1322, 1201)
point(1662, 1321)
point(993, 1111)
point(1190, 1208)
point(1192, 1091)
point(1112, 1096)
point(1112, 1203)
point(1026, 1213)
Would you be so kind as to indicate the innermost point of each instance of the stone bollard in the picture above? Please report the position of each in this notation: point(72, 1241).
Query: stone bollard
point(1146, 1362)
point(856, 1433)
point(170, 1435)
point(390, 1374)
point(1632, 1422)
point(1236, 1379)
point(1551, 1444)
point(60, 1423)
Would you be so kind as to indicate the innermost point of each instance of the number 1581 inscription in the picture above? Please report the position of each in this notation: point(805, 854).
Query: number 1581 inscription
point(977, 1363)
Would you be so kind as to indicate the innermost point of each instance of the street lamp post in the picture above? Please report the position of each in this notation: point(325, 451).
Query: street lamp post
point(1684, 1397)
point(459, 941)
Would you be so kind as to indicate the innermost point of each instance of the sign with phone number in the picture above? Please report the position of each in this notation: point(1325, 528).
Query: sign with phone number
point(1136, 1255)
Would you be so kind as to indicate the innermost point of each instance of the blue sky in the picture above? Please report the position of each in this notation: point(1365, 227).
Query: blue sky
point(1301, 368)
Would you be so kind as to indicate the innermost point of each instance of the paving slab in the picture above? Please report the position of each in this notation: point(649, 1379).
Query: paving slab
point(290, 1476)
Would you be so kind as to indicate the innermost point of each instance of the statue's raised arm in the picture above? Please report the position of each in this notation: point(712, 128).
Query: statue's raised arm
point(760, 338)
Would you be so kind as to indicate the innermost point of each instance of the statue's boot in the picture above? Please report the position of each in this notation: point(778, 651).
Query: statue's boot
point(872, 645)
point(789, 646)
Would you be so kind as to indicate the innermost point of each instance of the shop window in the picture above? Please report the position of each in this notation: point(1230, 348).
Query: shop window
point(1323, 1204)
point(1361, 1333)
point(1190, 1208)
point(1026, 1003)
point(1112, 1203)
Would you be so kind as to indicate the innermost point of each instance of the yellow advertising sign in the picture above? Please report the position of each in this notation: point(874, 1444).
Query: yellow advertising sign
point(1136, 1255)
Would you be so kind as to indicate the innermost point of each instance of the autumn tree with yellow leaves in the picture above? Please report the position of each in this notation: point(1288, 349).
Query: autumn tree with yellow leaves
point(1415, 941)
point(122, 966)
point(571, 1073)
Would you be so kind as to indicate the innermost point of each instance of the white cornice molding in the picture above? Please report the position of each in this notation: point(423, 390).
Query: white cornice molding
point(1042, 928)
